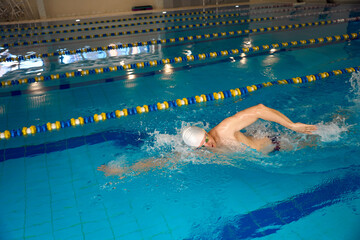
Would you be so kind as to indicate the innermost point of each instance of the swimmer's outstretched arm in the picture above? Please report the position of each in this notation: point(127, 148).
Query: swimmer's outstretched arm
point(248, 116)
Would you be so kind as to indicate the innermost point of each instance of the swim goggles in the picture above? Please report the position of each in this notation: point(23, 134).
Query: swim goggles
point(206, 140)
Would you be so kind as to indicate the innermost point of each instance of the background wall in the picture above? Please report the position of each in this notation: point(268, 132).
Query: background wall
point(76, 8)
point(65, 9)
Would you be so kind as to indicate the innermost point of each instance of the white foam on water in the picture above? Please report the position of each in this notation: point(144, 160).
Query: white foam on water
point(354, 93)
point(355, 82)
point(332, 131)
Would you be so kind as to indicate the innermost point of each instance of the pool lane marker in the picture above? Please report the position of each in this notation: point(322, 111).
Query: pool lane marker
point(175, 21)
point(215, 96)
point(149, 30)
point(150, 17)
point(191, 58)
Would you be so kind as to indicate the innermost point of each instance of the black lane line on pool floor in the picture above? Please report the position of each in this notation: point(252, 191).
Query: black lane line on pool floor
point(119, 138)
point(66, 86)
point(271, 218)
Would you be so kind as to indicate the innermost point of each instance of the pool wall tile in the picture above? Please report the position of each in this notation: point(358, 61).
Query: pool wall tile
point(125, 227)
point(156, 230)
point(37, 201)
point(72, 232)
point(96, 229)
point(36, 179)
point(17, 234)
point(94, 214)
point(130, 235)
point(65, 206)
point(11, 223)
point(162, 236)
point(40, 230)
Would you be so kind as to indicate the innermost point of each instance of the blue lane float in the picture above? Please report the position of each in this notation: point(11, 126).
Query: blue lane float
point(215, 96)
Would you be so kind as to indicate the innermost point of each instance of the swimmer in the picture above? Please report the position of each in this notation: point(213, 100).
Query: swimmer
point(228, 131)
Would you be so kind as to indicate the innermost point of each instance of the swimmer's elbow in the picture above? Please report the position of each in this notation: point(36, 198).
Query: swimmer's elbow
point(260, 109)
point(252, 113)
point(261, 106)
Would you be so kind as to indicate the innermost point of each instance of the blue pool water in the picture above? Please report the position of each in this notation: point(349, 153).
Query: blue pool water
point(51, 189)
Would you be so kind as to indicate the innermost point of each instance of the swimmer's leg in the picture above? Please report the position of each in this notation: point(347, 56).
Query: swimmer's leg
point(135, 169)
point(112, 171)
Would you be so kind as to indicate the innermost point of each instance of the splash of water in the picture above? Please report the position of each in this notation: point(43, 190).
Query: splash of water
point(354, 94)
point(332, 131)
point(163, 143)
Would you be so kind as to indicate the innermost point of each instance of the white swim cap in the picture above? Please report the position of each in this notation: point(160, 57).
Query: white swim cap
point(193, 136)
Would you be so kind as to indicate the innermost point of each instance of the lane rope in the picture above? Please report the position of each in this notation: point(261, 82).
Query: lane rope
point(215, 96)
point(190, 58)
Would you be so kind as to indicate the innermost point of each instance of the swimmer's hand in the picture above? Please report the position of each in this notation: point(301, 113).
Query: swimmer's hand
point(303, 128)
point(112, 171)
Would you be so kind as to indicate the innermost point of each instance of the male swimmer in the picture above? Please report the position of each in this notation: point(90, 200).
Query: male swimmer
point(228, 131)
point(225, 133)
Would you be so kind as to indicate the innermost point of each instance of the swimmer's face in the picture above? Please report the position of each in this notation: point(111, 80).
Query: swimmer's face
point(208, 141)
